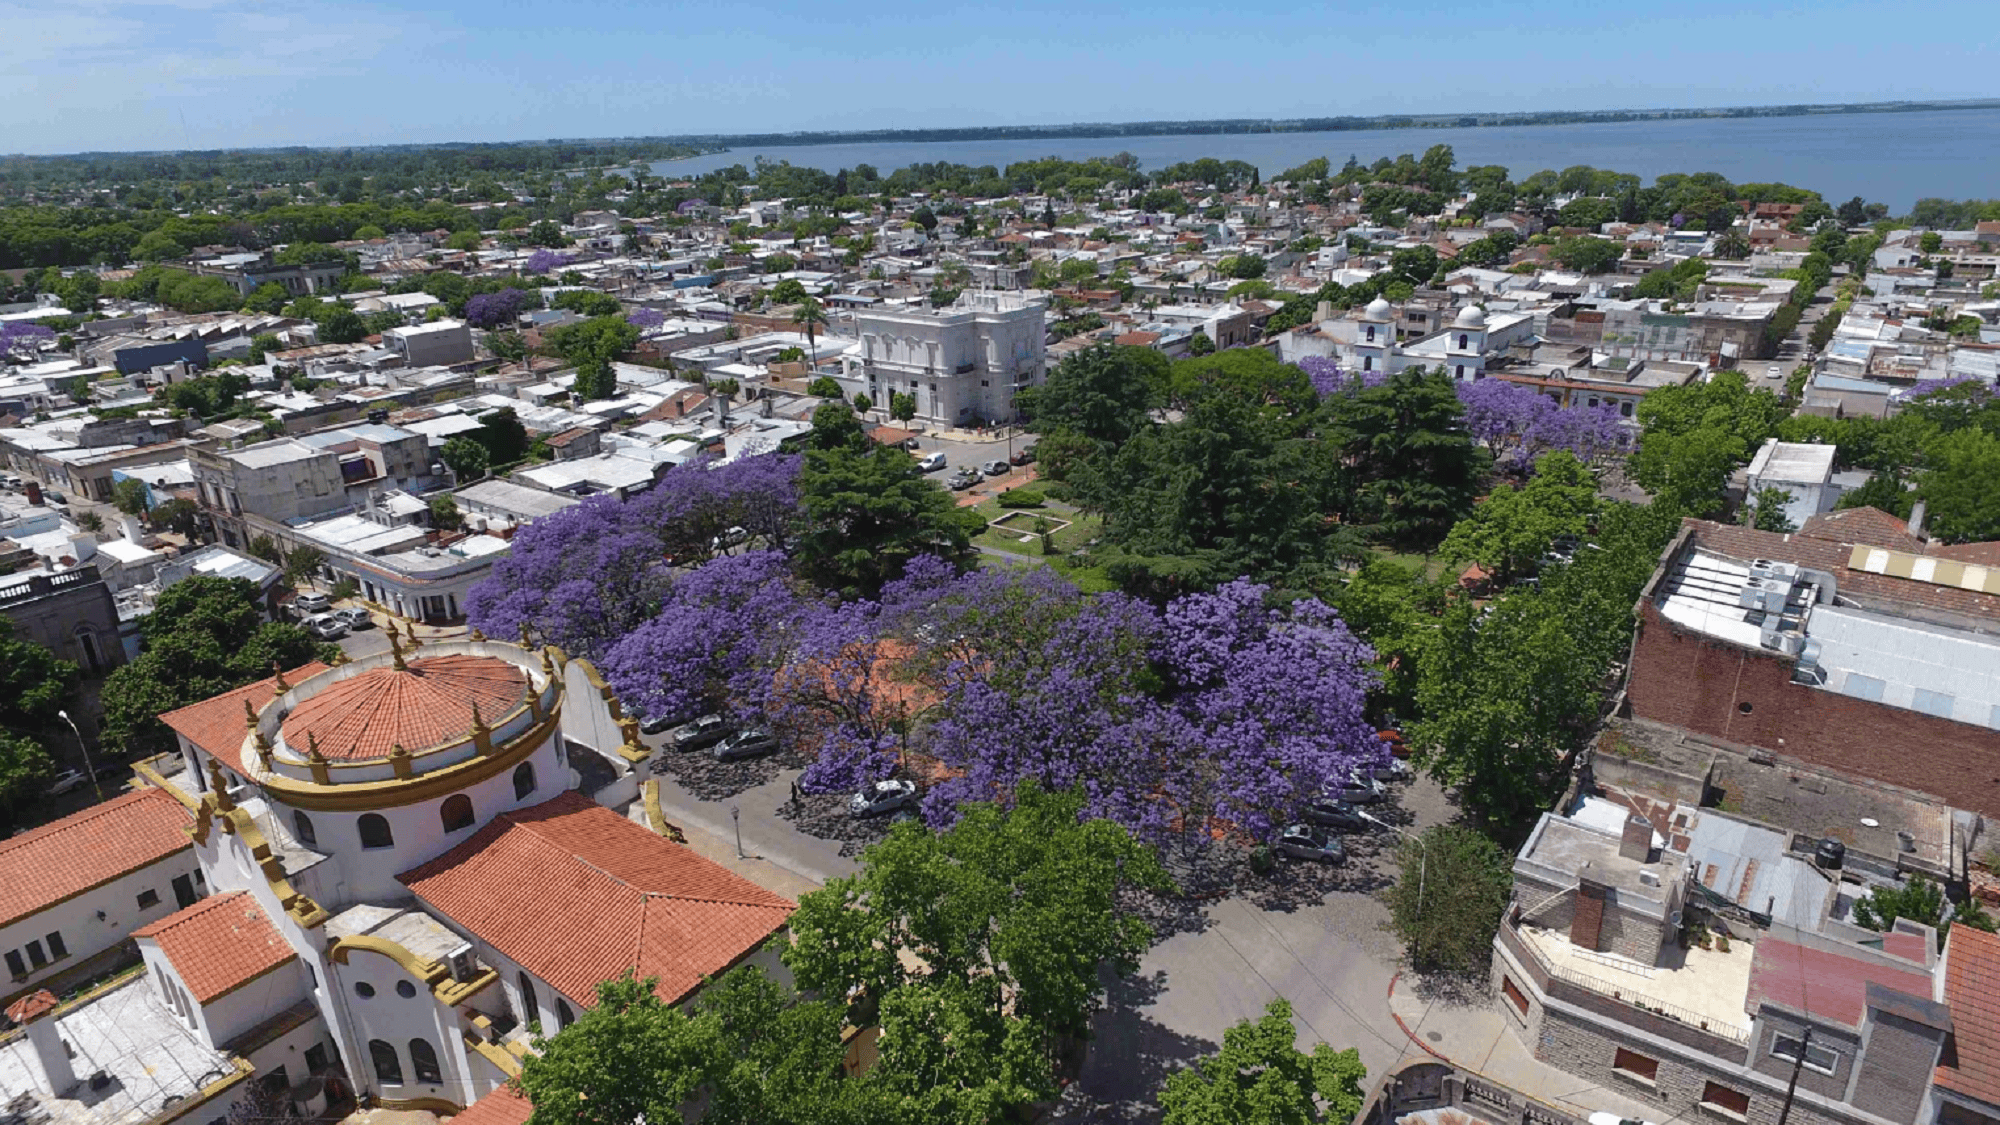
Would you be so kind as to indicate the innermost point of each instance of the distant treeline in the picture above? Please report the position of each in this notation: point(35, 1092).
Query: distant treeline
point(1222, 126)
point(408, 165)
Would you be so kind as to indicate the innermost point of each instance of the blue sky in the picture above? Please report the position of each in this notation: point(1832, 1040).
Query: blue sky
point(85, 74)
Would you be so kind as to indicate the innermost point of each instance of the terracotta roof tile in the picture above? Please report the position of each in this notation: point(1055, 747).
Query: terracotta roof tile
point(1871, 526)
point(504, 1106)
point(1827, 984)
point(216, 724)
point(46, 865)
point(219, 944)
point(1972, 989)
point(428, 704)
point(577, 894)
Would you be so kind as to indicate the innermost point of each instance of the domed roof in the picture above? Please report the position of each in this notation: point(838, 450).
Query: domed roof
point(1471, 316)
point(423, 705)
point(1378, 309)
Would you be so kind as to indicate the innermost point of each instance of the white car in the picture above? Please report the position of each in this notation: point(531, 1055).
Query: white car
point(1606, 1117)
point(65, 781)
point(931, 462)
point(883, 797)
point(312, 603)
point(326, 627)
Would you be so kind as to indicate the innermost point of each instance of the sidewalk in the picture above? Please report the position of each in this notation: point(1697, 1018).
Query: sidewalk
point(1478, 1038)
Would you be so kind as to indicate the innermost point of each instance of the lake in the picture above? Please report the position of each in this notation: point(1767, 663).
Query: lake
point(1892, 158)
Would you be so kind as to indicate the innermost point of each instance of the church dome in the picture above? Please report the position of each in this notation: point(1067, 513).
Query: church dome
point(426, 703)
point(1471, 316)
point(1378, 309)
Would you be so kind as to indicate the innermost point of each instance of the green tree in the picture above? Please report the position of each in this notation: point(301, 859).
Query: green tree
point(902, 406)
point(1261, 1078)
point(546, 233)
point(1514, 526)
point(1199, 344)
point(869, 509)
point(444, 512)
point(788, 291)
point(301, 563)
point(1418, 467)
point(1766, 510)
point(339, 324)
point(466, 457)
point(591, 346)
point(503, 435)
point(811, 316)
point(205, 636)
point(270, 297)
point(1451, 887)
point(826, 386)
point(862, 403)
point(1586, 254)
point(1919, 900)
point(1956, 483)
point(1104, 392)
point(25, 767)
point(262, 344)
point(1023, 899)
point(130, 496)
point(34, 682)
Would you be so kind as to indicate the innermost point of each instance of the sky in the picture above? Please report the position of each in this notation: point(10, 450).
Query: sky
point(84, 75)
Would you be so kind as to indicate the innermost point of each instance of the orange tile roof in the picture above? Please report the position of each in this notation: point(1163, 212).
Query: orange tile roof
point(577, 894)
point(44, 866)
point(216, 724)
point(1971, 1063)
point(428, 704)
point(219, 944)
point(1871, 526)
point(504, 1106)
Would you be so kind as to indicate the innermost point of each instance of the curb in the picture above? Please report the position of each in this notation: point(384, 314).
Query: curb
point(1407, 1033)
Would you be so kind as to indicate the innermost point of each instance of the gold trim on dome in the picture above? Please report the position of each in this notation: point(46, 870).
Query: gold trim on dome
point(364, 796)
point(493, 1053)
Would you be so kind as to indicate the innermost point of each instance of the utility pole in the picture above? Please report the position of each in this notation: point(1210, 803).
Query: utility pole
point(1798, 1064)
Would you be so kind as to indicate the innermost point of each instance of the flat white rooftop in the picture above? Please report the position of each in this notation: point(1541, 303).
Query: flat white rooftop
point(127, 1034)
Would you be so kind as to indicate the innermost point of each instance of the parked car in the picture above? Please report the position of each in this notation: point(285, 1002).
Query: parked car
point(752, 743)
point(728, 539)
point(66, 781)
point(1606, 1117)
point(326, 627)
point(1354, 790)
point(908, 443)
point(963, 480)
point(53, 497)
point(1337, 815)
point(1306, 841)
point(312, 603)
point(654, 724)
point(996, 468)
point(1025, 455)
point(704, 731)
point(883, 797)
point(354, 617)
point(931, 462)
point(1394, 769)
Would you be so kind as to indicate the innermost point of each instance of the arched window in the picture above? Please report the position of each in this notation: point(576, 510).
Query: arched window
point(1463, 341)
point(388, 1069)
point(564, 1017)
point(1371, 333)
point(302, 827)
point(424, 1062)
point(530, 1010)
point(524, 780)
point(375, 831)
point(456, 812)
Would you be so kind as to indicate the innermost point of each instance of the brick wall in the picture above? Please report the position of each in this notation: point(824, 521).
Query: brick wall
point(1629, 934)
point(1586, 925)
point(1687, 680)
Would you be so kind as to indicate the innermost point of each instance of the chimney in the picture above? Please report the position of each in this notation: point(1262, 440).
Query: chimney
point(33, 489)
point(1636, 841)
point(1587, 921)
point(1917, 519)
point(53, 1071)
point(1323, 312)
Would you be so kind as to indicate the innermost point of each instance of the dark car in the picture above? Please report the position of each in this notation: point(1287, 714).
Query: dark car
point(1337, 815)
point(705, 731)
point(883, 797)
point(1025, 456)
point(752, 743)
point(1306, 841)
point(654, 724)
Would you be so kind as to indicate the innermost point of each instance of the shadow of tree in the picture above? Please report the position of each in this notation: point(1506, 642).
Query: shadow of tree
point(1129, 1058)
point(706, 779)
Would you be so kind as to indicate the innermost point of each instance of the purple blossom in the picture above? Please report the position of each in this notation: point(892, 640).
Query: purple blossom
point(495, 310)
point(646, 319)
point(1517, 423)
point(1328, 378)
point(1925, 387)
point(713, 643)
point(26, 334)
point(586, 577)
point(548, 261)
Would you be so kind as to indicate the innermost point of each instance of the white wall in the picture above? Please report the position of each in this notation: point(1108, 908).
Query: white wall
point(84, 934)
point(395, 1018)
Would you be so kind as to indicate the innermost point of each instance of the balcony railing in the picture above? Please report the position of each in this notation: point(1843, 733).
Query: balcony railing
point(1525, 950)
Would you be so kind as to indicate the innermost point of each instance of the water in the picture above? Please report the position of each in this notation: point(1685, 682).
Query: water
point(1892, 158)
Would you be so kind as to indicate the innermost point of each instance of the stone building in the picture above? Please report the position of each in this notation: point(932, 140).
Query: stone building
point(963, 363)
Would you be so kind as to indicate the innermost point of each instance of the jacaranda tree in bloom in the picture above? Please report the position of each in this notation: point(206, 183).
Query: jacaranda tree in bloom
point(495, 310)
point(720, 630)
point(1518, 424)
point(586, 577)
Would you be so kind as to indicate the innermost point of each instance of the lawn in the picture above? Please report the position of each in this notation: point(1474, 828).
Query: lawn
point(1430, 565)
point(1081, 530)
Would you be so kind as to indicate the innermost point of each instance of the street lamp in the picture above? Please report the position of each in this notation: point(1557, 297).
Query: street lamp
point(88, 768)
point(1423, 852)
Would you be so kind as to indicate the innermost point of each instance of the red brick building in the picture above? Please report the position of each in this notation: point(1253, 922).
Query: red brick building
point(1852, 644)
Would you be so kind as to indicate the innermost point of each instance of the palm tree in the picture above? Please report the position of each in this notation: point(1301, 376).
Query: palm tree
point(810, 313)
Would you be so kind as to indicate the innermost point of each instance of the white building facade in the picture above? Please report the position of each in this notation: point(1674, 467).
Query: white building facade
point(964, 364)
